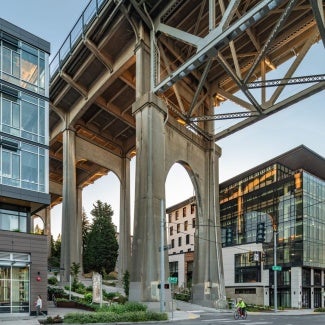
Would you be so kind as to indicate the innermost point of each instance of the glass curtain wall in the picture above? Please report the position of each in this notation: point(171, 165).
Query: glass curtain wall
point(24, 135)
point(313, 221)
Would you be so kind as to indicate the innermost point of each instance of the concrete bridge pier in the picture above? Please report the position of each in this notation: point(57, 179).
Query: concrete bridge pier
point(208, 287)
point(69, 249)
point(149, 192)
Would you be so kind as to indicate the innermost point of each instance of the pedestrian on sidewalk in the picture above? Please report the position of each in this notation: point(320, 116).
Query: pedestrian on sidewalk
point(39, 305)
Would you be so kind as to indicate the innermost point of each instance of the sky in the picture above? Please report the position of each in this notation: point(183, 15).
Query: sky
point(302, 123)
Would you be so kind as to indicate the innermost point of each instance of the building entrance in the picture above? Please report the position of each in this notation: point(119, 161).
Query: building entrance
point(14, 286)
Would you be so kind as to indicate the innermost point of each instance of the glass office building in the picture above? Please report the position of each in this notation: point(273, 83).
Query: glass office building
point(285, 198)
point(24, 165)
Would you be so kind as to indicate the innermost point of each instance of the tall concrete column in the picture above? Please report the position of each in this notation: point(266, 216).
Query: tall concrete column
point(124, 259)
point(79, 228)
point(69, 249)
point(149, 192)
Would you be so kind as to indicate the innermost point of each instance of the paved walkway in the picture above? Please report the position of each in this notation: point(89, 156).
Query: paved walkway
point(183, 311)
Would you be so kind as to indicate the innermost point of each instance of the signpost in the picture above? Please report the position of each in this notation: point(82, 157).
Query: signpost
point(172, 280)
point(277, 268)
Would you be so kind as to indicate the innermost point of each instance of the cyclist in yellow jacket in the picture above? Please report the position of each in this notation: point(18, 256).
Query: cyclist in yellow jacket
point(241, 306)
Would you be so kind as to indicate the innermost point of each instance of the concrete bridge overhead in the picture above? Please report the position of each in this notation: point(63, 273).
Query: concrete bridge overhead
point(145, 78)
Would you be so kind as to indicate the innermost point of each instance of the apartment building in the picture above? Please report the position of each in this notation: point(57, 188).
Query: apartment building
point(180, 234)
point(24, 161)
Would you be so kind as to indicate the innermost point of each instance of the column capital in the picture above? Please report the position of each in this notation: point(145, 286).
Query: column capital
point(149, 99)
point(141, 44)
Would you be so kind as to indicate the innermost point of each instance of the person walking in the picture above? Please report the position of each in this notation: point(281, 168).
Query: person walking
point(39, 305)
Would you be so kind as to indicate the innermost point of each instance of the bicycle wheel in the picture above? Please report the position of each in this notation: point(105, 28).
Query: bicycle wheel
point(236, 315)
point(244, 316)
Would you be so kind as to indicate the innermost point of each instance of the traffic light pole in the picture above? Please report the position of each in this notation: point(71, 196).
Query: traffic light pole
point(275, 272)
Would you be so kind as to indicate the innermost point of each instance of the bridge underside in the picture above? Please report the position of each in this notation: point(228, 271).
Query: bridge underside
point(131, 68)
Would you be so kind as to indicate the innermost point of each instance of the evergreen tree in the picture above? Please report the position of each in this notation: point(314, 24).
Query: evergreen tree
point(54, 259)
point(85, 230)
point(101, 249)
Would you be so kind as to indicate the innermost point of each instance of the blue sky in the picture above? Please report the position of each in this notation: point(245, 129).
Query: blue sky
point(302, 123)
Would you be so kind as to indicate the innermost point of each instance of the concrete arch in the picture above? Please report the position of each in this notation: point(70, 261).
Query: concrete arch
point(77, 149)
point(159, 146)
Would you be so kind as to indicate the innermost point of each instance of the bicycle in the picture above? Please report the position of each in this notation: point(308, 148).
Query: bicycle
point(240, 314)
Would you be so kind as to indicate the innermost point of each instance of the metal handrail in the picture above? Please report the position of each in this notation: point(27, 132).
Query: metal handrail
point(75, 36)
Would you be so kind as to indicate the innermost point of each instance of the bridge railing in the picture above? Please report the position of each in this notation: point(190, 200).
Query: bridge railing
point(75, 36)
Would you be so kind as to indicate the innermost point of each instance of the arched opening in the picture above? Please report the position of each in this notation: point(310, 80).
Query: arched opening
point(180, 227)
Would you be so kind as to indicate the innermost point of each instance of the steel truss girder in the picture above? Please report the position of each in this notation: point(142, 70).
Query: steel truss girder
point(286, 81)
point(208, 46)
point(225, 116)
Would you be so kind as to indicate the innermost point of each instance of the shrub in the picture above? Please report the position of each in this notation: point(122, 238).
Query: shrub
point(182, 296)
point(319, 310)
point(111, 295)
point(88, 297)
point(52, 280)
point(126, 282)
point(57, 292)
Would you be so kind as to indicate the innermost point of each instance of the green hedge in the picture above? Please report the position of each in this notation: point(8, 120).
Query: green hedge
point(127, 307)
point(110, 317)
point(319, 310)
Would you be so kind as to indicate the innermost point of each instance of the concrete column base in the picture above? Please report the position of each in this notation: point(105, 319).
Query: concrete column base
point(204, 295)
point(135, 294)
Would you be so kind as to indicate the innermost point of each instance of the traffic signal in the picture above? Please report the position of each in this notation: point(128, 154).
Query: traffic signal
point(263, 256)
point(229, 236)
point(260, 232)
point(166, 286)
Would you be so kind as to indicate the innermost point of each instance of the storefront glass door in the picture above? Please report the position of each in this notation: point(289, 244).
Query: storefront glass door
point(14, 289)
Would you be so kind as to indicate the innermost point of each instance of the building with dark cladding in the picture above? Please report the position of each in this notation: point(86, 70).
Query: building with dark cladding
point(24, 166)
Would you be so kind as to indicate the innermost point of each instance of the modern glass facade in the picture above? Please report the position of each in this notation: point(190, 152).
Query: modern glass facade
point(290, 203)
point(24, 115)
point(24, 164)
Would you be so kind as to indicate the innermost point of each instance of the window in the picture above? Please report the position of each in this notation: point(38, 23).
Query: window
point(178, 228)
point(176, 215)
point(192, 208)
point(184, 212)
point(187, 238)
point(13, 220)
point(245, 291)
point(171, 231)
point(173, 243)
point(23, 65)
point(193, 223)
point(170, 218)
point(246, 270)
point(185, 225)
point(173, 269)
point(23, 115)
point(23, 165)
point(179, 241)
point(317, 277)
